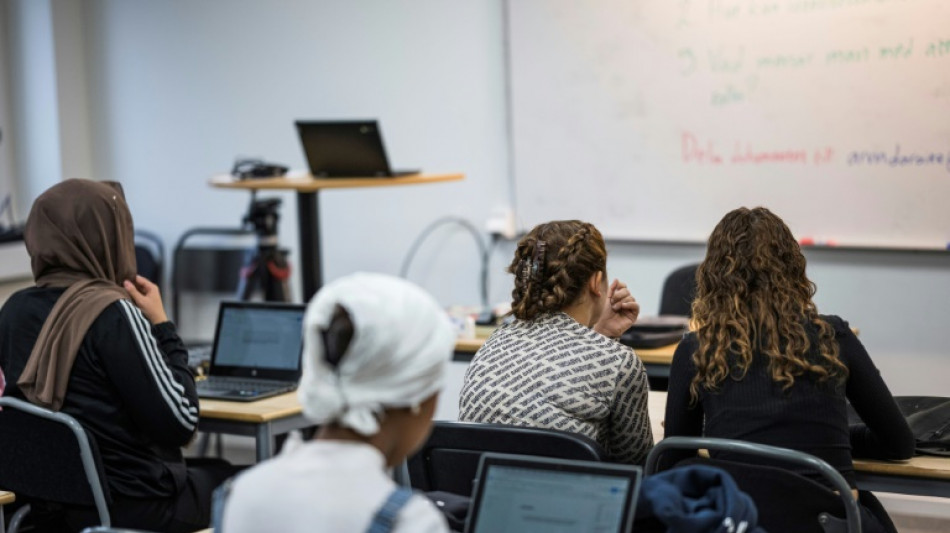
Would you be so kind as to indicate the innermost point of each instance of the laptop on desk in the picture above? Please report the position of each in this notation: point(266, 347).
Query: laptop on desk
point(345, 149)
point(256, 351)
point(527, 494)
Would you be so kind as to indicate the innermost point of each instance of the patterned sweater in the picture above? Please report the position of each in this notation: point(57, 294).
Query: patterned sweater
point(553, 372)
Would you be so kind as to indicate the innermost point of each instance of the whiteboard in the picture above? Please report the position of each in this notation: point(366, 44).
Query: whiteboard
point(653, 118)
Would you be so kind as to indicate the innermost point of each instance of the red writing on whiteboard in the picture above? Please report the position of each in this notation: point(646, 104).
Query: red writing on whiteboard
point(693, 152)
point(699, 151)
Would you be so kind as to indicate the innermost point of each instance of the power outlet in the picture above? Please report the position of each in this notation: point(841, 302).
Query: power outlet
point(502, 222)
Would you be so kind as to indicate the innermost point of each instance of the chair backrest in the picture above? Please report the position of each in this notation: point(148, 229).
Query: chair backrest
point(786, 501)
point(448, 461)
point(203, 269)
point(49, 457)
point(679, 289)
point(150, 256)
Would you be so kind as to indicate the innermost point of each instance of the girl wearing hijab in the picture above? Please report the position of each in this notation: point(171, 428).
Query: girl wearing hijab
point(375, 352)
point(763, 366)
point(91, 339)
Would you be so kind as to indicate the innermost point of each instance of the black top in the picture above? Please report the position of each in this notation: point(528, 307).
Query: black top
point(130, 387)
point(811, 417)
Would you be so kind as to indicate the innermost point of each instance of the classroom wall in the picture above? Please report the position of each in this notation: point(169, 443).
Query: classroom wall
point(177, 90)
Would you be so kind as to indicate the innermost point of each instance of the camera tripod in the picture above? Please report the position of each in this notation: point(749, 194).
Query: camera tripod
point(267, 269)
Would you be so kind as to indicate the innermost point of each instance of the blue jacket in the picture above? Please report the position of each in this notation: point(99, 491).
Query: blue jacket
point(697, 499)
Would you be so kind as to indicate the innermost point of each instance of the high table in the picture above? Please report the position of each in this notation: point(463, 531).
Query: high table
point(308, 209)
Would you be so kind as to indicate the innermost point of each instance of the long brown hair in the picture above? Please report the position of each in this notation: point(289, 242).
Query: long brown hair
point(551, 265)
point(753, 296)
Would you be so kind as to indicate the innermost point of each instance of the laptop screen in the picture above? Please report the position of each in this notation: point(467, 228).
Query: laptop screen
point(258, 340)
point(343, 148)
point(553, 495)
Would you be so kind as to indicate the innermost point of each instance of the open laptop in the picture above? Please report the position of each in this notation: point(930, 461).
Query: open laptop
point(345, 149)
point(256, 351)
point(527, 494)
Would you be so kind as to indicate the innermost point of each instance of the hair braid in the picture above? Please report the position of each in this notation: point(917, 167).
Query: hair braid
point(552, 263)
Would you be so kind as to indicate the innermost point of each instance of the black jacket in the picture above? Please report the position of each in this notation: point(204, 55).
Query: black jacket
point(130, 387)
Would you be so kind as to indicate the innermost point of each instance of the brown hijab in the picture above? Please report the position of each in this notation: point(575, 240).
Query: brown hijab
point(79, 235)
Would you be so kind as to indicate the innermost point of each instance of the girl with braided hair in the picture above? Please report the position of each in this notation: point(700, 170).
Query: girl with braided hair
point(559, 363)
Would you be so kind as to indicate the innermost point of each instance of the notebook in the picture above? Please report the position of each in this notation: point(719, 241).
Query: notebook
point(340, 149)
point(256, 351)
point(526, 494)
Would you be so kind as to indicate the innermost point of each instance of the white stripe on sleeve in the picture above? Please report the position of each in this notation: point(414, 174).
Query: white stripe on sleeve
point(172, 391)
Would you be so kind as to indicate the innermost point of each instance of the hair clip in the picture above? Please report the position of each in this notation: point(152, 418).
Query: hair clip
point(537, 263)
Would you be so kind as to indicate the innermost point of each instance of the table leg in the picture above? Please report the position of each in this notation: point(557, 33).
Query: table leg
point(311, 269)
point(265, 442)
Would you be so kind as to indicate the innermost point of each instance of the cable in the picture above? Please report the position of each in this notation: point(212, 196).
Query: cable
point(484, 250)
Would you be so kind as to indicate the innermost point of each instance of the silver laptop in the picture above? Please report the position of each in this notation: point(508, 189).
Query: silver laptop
point(526, 494)
point(341, 149)
point(256, 351)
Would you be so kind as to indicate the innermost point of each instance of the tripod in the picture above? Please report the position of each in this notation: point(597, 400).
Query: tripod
point(267, 269)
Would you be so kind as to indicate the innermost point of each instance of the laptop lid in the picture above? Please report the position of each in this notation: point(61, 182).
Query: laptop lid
point(535, 494)
point(344, 148)
point(258, 340)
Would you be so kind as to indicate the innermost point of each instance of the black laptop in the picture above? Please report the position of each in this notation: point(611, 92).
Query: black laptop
point(345, 149)
point(538, 495)
point(256, 352)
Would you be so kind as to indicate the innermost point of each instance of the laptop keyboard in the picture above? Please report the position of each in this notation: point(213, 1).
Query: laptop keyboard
point(238, 384)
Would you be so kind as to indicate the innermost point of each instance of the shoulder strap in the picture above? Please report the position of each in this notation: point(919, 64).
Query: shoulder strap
point(385, 517)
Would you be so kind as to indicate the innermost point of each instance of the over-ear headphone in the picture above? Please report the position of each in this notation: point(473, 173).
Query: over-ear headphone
point(256, 168)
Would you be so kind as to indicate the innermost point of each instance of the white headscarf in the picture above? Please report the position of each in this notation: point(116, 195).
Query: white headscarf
point(402, 341)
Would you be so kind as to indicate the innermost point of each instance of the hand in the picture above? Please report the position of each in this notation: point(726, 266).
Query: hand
point(148, 298)
point(620, 311)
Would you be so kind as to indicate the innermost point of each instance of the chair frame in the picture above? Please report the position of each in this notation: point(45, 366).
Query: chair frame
point(852, 512)
point(417, 467)
point(86, 455)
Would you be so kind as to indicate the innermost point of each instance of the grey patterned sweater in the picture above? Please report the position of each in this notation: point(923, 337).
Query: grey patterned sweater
point(554, 372)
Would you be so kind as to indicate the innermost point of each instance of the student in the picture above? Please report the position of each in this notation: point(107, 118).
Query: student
point(91, 340)
point(763, 366)
point(375, 354)
point(559, 363)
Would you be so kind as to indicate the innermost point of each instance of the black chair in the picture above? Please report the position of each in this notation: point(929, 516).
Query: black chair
point(207, 269)
point(448, 461)
point(679, 290)
point(150, 256)
point(786, 501)
point(49, 461)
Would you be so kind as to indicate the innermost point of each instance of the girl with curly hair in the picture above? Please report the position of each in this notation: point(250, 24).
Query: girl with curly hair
point(762, 365)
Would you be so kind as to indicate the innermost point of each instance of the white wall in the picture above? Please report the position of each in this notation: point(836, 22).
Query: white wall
point(178, 89)
point(7, 173)
point(34, 132)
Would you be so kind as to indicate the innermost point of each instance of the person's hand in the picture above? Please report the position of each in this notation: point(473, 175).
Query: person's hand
point(148, 298)
point(620, 311)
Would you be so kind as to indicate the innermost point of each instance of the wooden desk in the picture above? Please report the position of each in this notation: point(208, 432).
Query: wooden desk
point(262, 419)
point(5, 498)
point(656, 360)
point(921, 476)
point(308, 213)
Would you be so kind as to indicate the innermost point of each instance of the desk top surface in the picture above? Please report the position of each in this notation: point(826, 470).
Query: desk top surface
point(256, 412)
point(660, 356)
point(927, 467)
point(310, 184)
point(6, 497)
